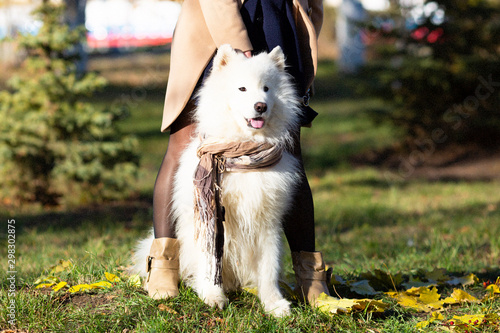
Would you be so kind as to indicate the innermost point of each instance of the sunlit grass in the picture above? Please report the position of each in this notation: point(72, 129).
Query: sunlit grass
point(363, 218)
point(366, 219)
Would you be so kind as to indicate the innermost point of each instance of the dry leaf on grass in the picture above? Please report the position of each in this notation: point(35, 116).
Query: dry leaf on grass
point(464, 280)
point(112, 277)
point(163, 307)
point(424, 299)
point(435, 316)
point(363, 287)
point(62, 266)
point(56, 284)
point(475, 320)
point(333, 305)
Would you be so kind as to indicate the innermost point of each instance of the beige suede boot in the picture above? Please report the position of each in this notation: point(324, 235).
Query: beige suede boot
point(311, 276)
point(163, 268)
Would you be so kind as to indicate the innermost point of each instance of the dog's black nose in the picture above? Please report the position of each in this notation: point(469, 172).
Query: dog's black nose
point(260, 107)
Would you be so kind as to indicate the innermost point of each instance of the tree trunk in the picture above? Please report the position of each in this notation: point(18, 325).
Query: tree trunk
point(75, 17)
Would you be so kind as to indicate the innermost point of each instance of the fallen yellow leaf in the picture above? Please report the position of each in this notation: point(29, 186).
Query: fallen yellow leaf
point(464, 280)
point(371, 305)
point(163, 307)
point(101, 285)
point(334, 305)
point(61, 267)
point(135, 280)
point(471, 319)
point(47, 279)
point(59, 286)
point(412, 302)
point(420, 298)
point(112, 277)
point(415, 291)
point(450, 301)
point(79, 287)
point(45, 285)
point(462, 296)
point(493, 288)
point(430, 297)
point(422, 324)
point(434, 317)
point(85, 286)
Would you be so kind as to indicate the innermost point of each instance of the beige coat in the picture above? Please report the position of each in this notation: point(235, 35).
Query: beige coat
point(204, 25)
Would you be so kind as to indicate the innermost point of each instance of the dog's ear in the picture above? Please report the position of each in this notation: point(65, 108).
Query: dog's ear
point(223, 56)
point(278, 57)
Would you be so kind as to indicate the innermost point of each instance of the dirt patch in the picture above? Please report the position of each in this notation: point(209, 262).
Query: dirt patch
point(468, 162)
point(91, 302)
point(480, 168)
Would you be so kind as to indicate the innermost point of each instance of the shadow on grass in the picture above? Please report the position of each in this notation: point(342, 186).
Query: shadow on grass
point(345, 219)
point(138, 215)
point(134, 214)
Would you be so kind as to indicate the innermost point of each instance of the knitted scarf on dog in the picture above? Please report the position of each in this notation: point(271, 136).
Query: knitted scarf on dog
point(217, 157)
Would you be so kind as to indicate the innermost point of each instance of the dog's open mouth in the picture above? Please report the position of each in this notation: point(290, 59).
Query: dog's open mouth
point(256, 123)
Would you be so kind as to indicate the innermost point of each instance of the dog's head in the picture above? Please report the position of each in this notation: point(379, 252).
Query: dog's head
point(248, 98)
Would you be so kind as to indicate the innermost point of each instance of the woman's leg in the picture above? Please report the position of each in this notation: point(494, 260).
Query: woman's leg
point(299, 222)
point(163, 260)
point(181, 132)
point(308, 264)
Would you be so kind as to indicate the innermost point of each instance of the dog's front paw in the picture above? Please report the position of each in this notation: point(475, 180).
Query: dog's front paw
point(279, 308)
point(215, 298)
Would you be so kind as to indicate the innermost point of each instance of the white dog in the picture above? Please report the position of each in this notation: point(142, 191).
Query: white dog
point(247, 101)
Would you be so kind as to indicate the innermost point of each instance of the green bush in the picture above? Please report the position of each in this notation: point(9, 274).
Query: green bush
point(443, 74)
point(54, 144)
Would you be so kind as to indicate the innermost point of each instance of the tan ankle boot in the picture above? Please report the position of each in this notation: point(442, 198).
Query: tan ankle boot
point(163, 268)
point(311, 276)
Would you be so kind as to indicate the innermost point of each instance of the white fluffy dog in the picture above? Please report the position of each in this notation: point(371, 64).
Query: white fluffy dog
point(249, 101)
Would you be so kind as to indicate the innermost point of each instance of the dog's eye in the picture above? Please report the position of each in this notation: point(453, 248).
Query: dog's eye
point(242, 89)
point(266, 89)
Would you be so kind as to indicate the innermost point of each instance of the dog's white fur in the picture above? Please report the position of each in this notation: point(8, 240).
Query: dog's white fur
point(255, 201)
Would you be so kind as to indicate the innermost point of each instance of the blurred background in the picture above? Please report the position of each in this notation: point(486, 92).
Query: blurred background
point(428, 73)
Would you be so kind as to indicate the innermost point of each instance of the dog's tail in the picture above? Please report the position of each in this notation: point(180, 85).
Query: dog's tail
point(140, 256)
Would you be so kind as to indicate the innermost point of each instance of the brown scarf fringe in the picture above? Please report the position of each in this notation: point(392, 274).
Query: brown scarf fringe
point(216, 158)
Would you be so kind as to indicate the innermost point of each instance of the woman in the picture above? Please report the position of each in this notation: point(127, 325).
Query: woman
point(248, 26)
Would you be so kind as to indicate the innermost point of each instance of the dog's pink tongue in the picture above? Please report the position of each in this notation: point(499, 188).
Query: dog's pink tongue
point(257, 122)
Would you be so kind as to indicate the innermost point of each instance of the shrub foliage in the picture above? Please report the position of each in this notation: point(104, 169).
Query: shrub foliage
point(441, 67)
point(53, 143)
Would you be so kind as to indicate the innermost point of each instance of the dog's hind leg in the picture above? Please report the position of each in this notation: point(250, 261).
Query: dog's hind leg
point(268, 274)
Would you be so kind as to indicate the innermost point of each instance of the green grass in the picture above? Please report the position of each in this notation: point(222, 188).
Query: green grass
point(366, 219)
